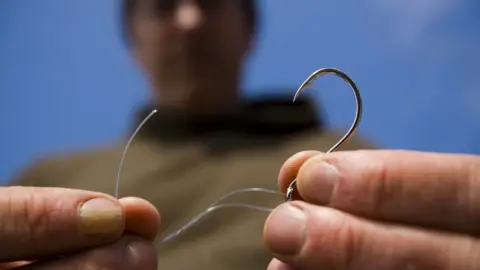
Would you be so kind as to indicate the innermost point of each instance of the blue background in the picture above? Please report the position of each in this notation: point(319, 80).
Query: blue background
point(67, 82)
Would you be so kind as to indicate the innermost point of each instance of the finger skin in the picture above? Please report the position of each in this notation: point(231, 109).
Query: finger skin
point(13, 265)
point(425, 189)
point(38, 222)
point(275, 264)
point(142, 218)
point(340, 241)
point(128, 253)
point(290, 169)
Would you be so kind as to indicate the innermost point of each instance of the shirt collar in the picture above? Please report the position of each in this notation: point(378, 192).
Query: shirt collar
point(269, 115)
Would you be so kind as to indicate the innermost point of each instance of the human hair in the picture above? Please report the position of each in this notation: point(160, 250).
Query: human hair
point(249, 9)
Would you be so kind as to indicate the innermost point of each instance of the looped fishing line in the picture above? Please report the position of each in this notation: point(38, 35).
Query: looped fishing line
point(214, 206)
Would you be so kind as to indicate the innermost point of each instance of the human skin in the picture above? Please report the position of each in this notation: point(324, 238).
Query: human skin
point(58, 228)
point(377, 209)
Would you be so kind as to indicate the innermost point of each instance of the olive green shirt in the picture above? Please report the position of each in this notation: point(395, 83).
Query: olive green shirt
point(182, 166)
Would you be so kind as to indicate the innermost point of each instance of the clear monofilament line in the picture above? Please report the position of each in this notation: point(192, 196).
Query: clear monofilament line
point(117, 181)
point(245, 190)
point(209, 210)
point(215, 206)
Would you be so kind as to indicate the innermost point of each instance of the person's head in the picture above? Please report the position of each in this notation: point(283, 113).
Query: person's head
point(192, 51)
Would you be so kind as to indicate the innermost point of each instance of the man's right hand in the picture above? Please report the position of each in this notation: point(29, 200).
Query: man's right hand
point(57, 228)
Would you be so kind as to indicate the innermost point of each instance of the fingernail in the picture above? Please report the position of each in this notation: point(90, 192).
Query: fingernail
point(101, 216)
point(285, 229)
point(141, 254)
point(319, 178)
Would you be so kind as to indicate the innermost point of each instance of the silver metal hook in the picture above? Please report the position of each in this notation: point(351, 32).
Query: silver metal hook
point(358, 114)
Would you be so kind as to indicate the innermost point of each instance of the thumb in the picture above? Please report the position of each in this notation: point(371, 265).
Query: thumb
point(39, 222)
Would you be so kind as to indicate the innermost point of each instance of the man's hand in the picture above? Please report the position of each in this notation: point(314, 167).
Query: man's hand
point(56, 228)
point(378, 210)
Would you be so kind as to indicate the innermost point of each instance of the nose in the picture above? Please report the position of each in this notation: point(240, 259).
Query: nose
point(188, 16)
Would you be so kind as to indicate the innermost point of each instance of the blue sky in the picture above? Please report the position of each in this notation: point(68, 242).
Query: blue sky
point(67, 82)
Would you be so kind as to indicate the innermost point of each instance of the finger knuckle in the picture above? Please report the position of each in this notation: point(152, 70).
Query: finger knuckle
point(369, 189)
point(350, 244)
point(337, 246)
point(105, 258)
point(382, 187)
point(26, 213)
point(471, 189)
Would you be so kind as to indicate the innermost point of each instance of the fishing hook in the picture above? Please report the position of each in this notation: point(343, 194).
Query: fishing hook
point(358, 114)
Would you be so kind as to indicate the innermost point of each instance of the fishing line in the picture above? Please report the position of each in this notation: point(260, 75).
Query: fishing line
point(213, 207)
point(117, 181)
point(289, 194)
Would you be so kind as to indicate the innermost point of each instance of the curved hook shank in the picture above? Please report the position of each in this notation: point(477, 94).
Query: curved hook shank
point(356, 121)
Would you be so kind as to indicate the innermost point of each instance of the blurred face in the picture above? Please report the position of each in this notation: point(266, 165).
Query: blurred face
point(192, 50)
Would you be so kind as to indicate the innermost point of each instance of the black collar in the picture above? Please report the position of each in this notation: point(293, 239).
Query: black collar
point(270, 115)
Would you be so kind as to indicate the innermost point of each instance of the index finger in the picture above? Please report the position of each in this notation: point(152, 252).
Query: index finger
point(38, 222)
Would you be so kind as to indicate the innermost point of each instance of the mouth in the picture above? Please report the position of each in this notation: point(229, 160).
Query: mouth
point(189, 59)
